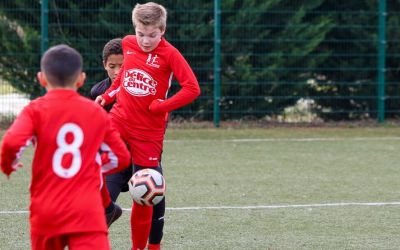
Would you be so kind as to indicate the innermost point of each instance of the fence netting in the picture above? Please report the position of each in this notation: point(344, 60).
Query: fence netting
point(279, 60)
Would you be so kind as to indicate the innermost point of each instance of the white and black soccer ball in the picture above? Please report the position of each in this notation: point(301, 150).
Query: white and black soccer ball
point(147, 187)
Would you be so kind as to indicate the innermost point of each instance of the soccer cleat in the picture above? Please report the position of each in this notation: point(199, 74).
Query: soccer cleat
point(113, 215)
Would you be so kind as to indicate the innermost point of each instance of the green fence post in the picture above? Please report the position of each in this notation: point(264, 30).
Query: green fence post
point(44, 26)
point(44, 31)
point(217, 61)
point(381, 60)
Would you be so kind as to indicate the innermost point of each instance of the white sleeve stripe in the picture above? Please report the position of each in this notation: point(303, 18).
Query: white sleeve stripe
point(20, 151)
point(169, 84)
point(98, 159)
point(114, 92)
point(113, 159)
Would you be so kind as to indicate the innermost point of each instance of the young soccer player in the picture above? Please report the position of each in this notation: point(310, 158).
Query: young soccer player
point(118, 182)
point(112, 62)
point(150, 63)
point(66, 207)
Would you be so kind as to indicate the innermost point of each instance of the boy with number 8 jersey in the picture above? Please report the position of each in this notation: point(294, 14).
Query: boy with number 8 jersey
point(141, 88)
point(66, 206)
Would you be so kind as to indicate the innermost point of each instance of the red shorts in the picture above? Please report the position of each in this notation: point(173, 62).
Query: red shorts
point(74, 241)
point(146, 153)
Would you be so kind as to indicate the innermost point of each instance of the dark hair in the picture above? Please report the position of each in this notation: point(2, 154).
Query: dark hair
point(61, 64)
point(113, 47)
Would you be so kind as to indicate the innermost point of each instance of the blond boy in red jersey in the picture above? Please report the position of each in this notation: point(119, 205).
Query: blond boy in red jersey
point(150, 64)
point(66, 206)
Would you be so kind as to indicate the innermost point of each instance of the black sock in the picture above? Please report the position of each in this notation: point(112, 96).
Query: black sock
point(157, 223)
point(110, 208)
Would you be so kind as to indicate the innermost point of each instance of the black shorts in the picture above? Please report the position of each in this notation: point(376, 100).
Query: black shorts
point(121, 178)
point(158, 168)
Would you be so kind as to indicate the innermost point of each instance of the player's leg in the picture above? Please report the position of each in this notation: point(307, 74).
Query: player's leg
point(43, 242)
point(157, 222)
point(118, 182)
point(141, 220)
point(138, 222)
point(140, 225)
point(146, 154)
point(88, 241)
point(112, 210)
point(157, 226)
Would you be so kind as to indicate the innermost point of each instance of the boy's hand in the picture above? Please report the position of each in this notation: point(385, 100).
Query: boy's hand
point(14, 167)
point(100, 100)
point(155, 106)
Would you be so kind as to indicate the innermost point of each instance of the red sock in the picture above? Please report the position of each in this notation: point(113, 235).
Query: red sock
point(154, 246)
point(105, 195)
point(140, 225)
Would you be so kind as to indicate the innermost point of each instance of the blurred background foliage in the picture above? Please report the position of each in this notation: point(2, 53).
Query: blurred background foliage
point(273, 53)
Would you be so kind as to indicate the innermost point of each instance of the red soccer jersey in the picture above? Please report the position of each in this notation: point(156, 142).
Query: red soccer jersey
point(145, 77)
point(67, 131)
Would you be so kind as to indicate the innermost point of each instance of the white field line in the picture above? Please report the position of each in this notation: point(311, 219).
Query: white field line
point(320, 205)
point(316, 139)
point(339, 204)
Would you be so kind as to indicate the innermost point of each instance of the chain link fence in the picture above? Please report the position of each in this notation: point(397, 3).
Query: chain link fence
point(287, 61)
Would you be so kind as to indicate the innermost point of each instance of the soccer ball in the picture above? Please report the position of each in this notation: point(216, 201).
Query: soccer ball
point(147, 187)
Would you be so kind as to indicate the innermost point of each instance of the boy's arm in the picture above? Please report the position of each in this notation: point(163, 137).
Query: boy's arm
point(114, 153)
point(15, 140)
point(188, 93)
point(110, 94)
point(97, 89)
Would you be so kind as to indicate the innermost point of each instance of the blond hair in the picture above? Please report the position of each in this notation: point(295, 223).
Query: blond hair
point(150, 14)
